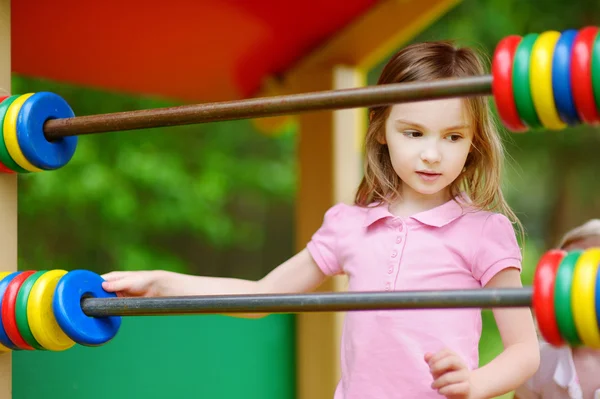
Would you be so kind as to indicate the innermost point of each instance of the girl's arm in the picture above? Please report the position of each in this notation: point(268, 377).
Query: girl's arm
point(298, 274)
point(520, 358)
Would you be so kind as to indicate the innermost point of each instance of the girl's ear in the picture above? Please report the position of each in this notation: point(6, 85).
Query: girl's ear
point(381, 136)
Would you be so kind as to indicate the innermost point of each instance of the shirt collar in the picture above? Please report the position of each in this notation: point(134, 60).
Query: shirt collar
point(435, 217)
point(565, 374)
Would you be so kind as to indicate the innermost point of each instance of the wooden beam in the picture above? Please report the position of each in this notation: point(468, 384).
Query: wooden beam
point(349, 128)
point(377, 33)
point(330, 158)
point(8, 194)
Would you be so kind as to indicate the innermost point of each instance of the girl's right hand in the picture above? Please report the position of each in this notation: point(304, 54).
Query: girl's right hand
point(298, 274)
point(135, 283)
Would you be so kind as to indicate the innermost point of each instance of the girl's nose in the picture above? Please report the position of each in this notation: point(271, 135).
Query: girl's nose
point(431, 154)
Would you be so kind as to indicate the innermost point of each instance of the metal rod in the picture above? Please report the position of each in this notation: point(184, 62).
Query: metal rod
point(269, 106)
point(318, 302)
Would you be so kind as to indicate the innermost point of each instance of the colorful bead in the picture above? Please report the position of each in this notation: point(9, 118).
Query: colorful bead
point(502, 84)
point(581, 75)
point(561, 78)
point(36, 110)
point(583, 298)
point(543, 296)
point(562, 299)
point(522, 82)
point(21, 310)
point(540, 80)
point(41, 318)
point(85, 330)
point(8, 310)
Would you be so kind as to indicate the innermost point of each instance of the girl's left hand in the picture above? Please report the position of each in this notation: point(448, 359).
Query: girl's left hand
point(451, 376)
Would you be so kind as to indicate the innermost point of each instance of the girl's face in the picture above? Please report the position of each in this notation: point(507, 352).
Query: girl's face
point(428, 143)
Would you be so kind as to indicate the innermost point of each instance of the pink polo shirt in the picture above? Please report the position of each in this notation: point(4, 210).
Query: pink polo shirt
point(382, 352)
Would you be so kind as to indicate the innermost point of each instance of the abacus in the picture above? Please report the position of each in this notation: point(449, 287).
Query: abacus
point(539, 81)
point(55, 309)
point(549, 80)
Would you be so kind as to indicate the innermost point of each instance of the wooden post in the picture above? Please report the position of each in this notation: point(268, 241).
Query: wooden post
point(330, 155)
point(8, 195)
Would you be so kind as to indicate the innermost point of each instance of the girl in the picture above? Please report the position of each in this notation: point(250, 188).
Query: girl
point(568, 373)
point(422, 219)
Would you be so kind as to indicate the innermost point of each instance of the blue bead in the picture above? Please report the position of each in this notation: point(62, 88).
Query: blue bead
point(36, 110)
point(561, 78)
point(598, 298)
point(4, 340)
point(81, 328)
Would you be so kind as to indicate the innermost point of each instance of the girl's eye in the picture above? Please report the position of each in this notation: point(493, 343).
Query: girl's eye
point(412, 133)
point(454, 137)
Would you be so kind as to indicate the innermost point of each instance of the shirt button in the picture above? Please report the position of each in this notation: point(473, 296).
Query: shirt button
point(390, 270)
point(398, 239)
point(394, 253)
point(387, 286)
point(400, 228)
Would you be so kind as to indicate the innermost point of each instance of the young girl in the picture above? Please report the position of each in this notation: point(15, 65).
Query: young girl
point(422, 220)
point(568, 373)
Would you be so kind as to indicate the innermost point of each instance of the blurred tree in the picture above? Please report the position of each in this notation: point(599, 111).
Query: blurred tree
point(210, 198)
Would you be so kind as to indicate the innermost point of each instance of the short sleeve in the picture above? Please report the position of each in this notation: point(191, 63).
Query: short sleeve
point(323, 244)
point(497, 248)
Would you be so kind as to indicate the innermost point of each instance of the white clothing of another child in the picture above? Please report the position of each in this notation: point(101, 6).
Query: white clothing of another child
point(557, 376)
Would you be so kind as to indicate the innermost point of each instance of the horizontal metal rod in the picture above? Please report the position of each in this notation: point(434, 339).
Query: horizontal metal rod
point(317, 302)
point(376, 95)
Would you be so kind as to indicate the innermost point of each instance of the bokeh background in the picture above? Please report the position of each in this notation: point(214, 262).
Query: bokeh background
point(218, 199)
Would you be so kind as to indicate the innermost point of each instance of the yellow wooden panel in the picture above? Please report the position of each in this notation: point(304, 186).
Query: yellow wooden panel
point(377, 33)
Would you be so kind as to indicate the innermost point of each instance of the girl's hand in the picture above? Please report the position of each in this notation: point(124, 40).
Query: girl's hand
point(139, 283)
point(451, 376)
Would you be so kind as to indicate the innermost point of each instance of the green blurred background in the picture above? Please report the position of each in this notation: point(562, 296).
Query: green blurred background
point(218, 199)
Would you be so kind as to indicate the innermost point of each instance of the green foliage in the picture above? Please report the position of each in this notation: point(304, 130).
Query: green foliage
point(145, 199)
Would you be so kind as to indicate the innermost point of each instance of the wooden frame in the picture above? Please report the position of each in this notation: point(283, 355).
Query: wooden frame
point(8, 194)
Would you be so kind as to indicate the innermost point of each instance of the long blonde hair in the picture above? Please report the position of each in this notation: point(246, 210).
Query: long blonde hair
point(481, 178)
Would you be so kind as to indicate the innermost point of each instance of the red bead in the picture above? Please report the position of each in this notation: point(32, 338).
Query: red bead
point(502, 86)
point(543, 296)
point(581, 75)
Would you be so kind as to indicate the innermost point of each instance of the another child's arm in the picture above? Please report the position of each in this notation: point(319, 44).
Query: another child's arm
point(298, 274)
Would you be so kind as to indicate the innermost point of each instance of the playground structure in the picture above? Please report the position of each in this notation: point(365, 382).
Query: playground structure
point(549, 118)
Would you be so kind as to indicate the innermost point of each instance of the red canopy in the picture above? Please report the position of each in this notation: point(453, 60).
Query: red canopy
point(193, 50)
